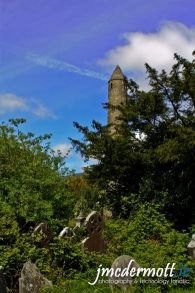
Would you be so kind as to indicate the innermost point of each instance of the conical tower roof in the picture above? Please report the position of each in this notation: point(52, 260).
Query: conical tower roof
point(117, 73)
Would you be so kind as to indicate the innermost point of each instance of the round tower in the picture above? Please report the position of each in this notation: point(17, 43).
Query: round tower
point(116, 95)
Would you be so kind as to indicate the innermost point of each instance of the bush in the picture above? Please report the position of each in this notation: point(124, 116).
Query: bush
point(149, 238)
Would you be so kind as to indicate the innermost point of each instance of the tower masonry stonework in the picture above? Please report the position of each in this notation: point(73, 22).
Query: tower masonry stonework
point(116, 95)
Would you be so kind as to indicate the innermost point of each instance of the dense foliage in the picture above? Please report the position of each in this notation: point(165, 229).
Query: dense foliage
point(32, 176)
point(35, 187)
point(152, 157)
point(143, 183)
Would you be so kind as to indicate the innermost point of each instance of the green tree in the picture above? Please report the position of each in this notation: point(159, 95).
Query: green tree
point(31, 176)
point(152, 157)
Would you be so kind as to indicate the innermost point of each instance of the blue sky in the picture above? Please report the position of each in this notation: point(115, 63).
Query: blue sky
point(56, 56)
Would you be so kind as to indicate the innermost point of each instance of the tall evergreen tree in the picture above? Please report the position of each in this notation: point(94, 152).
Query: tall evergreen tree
point(152, 158)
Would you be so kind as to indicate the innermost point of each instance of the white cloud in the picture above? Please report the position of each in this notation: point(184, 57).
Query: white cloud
point(10, 103)
point(64, 148)
point(156, 48)
point(62, 66)
point(42, 112)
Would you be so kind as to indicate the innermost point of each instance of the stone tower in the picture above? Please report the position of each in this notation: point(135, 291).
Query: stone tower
point(116, 95)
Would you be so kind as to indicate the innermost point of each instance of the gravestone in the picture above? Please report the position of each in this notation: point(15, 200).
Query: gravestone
point(32, 280)
point(94, 224)
point(2, 282)
point(67, 232)
point(122, 283)
point(43, 230)
point(191, 247)
point(79, 221)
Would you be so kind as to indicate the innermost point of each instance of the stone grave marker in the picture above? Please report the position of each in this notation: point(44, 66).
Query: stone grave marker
point(44, 231)
point(67, 232)
point(79, 221)
point(94, 224)
point(191, 247)
point(122, 283)
point(32, 280)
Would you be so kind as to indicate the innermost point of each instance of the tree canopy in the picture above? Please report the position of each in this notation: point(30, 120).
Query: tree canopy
point(31, 175)
point(152, 158)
